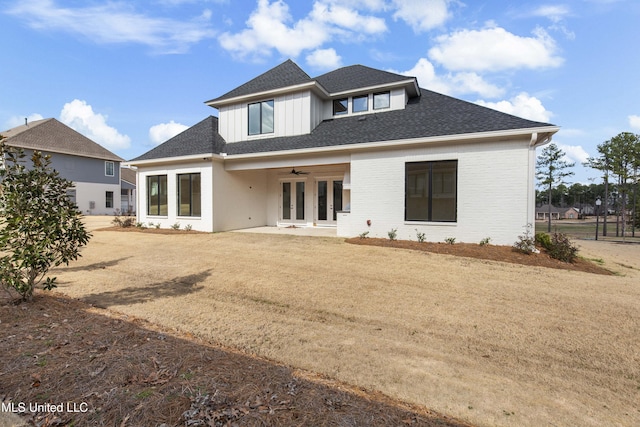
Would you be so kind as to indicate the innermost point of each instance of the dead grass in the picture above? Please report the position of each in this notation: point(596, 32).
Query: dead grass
point(488, 342)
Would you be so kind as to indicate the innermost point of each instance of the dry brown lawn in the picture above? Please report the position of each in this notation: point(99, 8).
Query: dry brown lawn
point(487, 342)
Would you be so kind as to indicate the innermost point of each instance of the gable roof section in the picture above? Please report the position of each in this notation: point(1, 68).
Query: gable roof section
point(357, 77)
point(427, 116)
point(52, 136)
point(201, 138)
point(284, 75)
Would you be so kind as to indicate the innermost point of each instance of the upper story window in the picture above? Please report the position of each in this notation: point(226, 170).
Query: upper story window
point(381, 100)
point(261, 117)
point(109, 169)
point(340, 106)
point(360, 103)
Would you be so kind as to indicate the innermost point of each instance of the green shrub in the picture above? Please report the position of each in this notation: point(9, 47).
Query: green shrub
point(450, 240)
point(363, 235)
point(393, 234)
point(420, 236)
point(561, 248)
point(544, 240)
point(485, 241)
point(526, 242)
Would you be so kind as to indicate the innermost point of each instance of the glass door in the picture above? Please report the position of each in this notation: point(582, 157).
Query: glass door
point(328, 200)
point(292, 201)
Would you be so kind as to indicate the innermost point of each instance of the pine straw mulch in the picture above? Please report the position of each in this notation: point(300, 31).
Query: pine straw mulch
point(120, 371)
point(488, 252)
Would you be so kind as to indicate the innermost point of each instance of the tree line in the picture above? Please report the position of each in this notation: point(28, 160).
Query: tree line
point(618, 161)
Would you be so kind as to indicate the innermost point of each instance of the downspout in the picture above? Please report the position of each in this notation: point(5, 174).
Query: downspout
point(535, 141)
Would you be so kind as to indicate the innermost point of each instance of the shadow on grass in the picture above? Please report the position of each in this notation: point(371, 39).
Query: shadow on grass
point(95, 266)
point(178, 286)
point(134, 373)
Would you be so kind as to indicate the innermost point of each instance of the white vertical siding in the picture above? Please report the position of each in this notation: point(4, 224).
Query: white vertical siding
point(292, 116)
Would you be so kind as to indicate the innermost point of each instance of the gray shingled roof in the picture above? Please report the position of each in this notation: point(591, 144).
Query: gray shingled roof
point(429, 115)
point(284, 75)
point(201, 138)
point(355, 77)
point(49, 135)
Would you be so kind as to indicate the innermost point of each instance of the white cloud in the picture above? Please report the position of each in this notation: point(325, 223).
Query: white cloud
point(271, 26)
point(522, 105)
point(325, 59)
point(555, 13)
point(422, 15)
point(15, 121)
point(451, 84)
point(574, 153)
point(115, 22)
point(80, 116)
point(164, 131)
point(493, 49)
point(634, 121)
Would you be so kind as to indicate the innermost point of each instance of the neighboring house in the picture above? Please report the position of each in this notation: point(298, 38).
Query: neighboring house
point(94, 170)
point(542, 213)
point(128, 190)
point(352, 147)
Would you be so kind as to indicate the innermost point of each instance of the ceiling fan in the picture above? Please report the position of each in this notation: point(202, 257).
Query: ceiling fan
point(295, 172)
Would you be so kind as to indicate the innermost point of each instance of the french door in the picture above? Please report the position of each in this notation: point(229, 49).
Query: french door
point(292, 201)
point(328, 200)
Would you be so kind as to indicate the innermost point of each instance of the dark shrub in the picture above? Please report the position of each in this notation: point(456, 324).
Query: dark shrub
point(561, 248)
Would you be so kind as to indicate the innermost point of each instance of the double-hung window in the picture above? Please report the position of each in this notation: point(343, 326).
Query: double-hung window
point(261, 117)
point(108, 202)
point(189, 194)
point(109, 168)
point(157, 195)
point(431, 191)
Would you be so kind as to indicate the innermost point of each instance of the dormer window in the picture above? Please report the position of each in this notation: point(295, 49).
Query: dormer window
point(340, 106)
point(381, 100)
point(360, 103)
point(261, 117)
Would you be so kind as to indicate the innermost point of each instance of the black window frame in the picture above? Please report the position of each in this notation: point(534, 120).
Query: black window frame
point(388, 94)
point(427, 191)
point(261, 109)
point(161, 197)
point(353, 102)
point(343, 106)
point(179, 194)
point(108, 199)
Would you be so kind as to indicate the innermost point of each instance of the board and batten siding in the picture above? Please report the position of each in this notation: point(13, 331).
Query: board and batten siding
point(492, 192)
point(292, 116)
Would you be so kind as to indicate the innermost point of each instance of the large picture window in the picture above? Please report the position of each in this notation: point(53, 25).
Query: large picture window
point(157, 195)
point(261, 117)
point(431, 190)
point(189, 195)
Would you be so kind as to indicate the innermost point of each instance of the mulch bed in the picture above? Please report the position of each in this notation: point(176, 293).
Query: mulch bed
point(116, 370)
point(488, 252)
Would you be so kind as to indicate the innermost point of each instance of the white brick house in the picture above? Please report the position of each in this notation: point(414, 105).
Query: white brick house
point(352, 147)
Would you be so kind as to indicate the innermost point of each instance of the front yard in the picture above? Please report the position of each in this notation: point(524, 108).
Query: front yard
point(487, 342)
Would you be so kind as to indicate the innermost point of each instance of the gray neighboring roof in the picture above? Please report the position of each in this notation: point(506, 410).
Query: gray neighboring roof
point(284, 75)
point(201, 138)
point(429, 115)
point(128, 175)
point(52, 136)
point(357, 76)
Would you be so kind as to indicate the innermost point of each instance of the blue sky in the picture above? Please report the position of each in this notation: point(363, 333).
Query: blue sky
point(130, 75)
